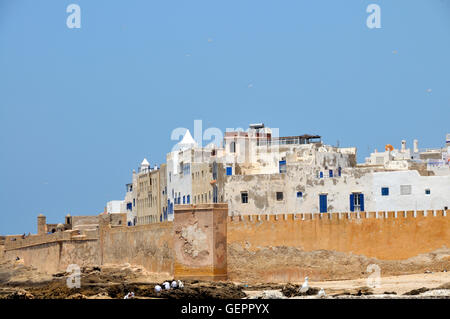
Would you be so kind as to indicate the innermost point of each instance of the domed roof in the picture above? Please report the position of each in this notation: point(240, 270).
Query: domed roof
point(145, 163)
point(187, 141)
point(60, 226)
point(41, 215)
point(68, 215)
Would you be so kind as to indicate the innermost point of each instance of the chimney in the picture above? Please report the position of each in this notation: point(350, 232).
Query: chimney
point(416, 146)
point(403, 145)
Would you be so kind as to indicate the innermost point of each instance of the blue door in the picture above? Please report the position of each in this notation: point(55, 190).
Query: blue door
point(323, 203)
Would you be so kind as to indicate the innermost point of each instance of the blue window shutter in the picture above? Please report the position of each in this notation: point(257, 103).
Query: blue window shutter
point(229, 170)
point(184, 199)
point(282, 166)
point(339, 171)
point(352, 202)
point(321, 174)
point(361, 201)
point(331, 173)
point(323, 203)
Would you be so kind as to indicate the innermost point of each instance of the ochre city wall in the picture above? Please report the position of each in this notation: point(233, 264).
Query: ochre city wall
point(386, 237)
point(286, 248)
point(55, 256)
point(200, 241)
point(150, 246)
point(267, 247)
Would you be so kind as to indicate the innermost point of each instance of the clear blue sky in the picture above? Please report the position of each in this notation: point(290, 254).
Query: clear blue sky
point(80, 108)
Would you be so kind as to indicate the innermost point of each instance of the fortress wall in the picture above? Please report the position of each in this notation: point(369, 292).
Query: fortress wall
point(150, 246)
point(55, 256)
point(267, 247)
point(387, 236)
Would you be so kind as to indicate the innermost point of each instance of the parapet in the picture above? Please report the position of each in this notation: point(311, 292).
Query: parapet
point(400, 214)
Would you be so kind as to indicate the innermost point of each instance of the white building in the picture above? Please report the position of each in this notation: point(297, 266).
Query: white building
point(320, 178)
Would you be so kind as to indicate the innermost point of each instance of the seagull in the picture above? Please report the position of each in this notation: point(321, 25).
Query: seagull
point(166, 285)
point(305, 286)
point(180, 284)
point(321, 293)
point(174, 284)
point(157, 288)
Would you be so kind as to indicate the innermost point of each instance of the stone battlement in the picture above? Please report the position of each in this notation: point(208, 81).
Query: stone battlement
point(340, 215)
point(34, 240)
point(204, 242)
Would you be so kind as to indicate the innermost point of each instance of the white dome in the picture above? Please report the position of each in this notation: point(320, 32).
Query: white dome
point(187, 141)
point(145, 163)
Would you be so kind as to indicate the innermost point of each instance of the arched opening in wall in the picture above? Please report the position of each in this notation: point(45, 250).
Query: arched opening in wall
point(53, 230)
point(120, 222)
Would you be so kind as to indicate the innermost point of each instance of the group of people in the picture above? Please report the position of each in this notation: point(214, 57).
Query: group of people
point(129, 295)
point(166, 286)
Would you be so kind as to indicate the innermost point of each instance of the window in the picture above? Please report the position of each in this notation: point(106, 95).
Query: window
point(129, 206)
point(321, 175)
point(405, 189)
point(188, 199)
point(233, 147)
point(279, 195)
point(384, 191)
point(356, 202)
point(330, 172)
point(339, 171)
point(214, 194)
point(299, 194)
point(229, 170)
point(184, 199)
point(186, 169)
point(282, 165)
point(244, 197)
point(214, 170)
point(427, 191)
